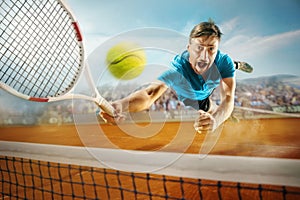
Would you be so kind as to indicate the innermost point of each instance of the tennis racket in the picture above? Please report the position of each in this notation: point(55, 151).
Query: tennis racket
point(42, 52)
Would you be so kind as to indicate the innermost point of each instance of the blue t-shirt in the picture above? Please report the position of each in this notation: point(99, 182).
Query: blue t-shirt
point(190, 85)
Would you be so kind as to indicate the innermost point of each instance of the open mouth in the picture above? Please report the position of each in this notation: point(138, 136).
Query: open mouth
point(201, 65)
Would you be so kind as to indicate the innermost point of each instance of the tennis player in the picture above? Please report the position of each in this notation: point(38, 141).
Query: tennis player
point(194, 76)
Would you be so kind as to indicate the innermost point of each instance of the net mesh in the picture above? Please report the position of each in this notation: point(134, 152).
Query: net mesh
point(39, 50)
point(23, 178)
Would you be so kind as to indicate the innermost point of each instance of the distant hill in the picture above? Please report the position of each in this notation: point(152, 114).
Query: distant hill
point(286, 78)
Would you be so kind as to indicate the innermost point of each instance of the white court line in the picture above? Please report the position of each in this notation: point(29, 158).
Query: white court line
point(213, 167)
point(268, 112)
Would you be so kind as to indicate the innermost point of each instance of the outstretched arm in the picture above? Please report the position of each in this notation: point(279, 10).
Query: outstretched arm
point(137, 101)
point(144, 98)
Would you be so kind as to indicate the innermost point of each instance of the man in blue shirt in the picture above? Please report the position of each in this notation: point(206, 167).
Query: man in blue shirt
point(194, 76)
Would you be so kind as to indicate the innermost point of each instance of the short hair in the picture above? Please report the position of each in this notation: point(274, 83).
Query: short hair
point(206, 29)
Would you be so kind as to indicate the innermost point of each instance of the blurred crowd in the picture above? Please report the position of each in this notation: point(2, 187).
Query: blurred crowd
point(278, 96)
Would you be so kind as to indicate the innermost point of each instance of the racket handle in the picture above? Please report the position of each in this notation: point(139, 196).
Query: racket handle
point(106, 106)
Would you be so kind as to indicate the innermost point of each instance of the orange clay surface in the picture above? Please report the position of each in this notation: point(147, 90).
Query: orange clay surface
point(262, 138)
point(278, 137)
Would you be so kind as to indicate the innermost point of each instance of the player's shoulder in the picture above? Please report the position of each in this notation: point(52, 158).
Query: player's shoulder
point(223, 59)
point(224, 64)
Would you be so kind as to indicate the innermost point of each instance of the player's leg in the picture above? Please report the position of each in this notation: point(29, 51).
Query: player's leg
point(243, 66)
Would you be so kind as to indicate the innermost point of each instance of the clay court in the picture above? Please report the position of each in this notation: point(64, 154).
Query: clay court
point(264, 138)
point(278, 137)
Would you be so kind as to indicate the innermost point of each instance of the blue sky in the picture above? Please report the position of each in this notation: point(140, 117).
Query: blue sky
point(264, 33)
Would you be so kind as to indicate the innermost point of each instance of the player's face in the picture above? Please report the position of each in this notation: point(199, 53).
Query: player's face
point(203, 51)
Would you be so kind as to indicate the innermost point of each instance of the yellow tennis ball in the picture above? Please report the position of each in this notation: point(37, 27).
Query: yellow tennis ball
point(126, 60)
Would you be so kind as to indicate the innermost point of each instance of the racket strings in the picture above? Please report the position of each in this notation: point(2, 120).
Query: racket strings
point(40, 54)
point(59, 71)
point(24, 45)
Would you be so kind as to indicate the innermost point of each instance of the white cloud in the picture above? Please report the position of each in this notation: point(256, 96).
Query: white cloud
point(246, 47)
point(230, 25)
point(188, 27)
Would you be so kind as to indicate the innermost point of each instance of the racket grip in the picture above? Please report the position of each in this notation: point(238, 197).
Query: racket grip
point(106, 106)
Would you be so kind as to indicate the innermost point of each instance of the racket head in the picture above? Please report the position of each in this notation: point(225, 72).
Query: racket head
point(41, 48)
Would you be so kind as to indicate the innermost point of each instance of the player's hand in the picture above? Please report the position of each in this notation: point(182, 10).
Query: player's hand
point(118, 116)
point(205, 122)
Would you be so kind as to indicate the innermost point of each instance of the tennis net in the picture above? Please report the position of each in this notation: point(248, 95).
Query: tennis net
point(36, 171)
